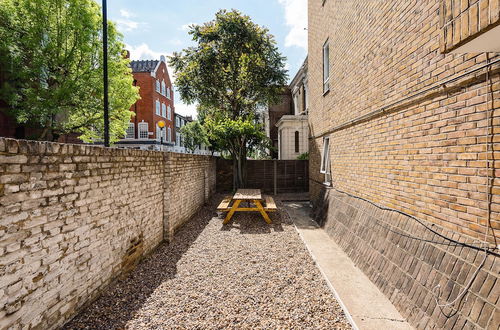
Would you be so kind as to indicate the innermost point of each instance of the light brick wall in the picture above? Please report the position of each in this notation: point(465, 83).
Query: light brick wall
point(424, 156)
point(463, 20)
point(74, 217)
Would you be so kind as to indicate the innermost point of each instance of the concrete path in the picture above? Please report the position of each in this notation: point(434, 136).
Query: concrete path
point(360, 298)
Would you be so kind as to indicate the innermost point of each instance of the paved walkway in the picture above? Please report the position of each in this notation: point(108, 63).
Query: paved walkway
point(246, 274)
point(367, 305)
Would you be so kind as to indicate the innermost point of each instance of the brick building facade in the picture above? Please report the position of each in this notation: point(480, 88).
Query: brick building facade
point(156, 104)
point(400, 122)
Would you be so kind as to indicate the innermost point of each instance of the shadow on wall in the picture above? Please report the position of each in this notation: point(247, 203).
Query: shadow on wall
point(116, 306)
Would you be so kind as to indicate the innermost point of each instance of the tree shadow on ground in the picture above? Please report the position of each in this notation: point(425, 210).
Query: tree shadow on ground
point(123, 298)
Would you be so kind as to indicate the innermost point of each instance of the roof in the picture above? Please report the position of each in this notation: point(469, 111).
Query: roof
point(143, 66)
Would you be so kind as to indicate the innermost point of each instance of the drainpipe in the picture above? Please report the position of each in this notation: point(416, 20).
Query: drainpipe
point(135, 117)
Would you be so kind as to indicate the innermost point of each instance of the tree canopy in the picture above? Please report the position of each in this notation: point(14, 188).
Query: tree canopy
point(51, 59)
point(234, 69)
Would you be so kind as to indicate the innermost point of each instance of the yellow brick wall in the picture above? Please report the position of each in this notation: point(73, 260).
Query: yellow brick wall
point(425, 157)
point(463, 20)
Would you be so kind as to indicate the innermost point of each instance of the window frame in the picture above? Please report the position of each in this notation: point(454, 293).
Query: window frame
point(169, 112)
point(158, 87)
point(127, 131)
point(325, 161)
point(326, 70)
point(297, 141)
point(140, 129)
point(163, 110)
point(157, 108)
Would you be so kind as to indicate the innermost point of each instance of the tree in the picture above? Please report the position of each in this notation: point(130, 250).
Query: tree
point(193, 135)
point(51, 58)
point(234, 69)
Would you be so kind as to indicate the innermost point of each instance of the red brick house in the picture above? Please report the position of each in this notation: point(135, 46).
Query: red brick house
point(156, 104)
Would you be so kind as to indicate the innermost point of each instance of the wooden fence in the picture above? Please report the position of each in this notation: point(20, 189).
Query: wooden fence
point(271, 176)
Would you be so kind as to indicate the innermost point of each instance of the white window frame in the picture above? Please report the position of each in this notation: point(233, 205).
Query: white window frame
point(158, 133)
point(158, 88)
point(163, 110)
point(325, 156)
point(326, 66)
point(157, 108)
point(168, 93)
point(163, 90)
point(169, 134)
point(130, 132)
point(142, 129)
point(169, 113)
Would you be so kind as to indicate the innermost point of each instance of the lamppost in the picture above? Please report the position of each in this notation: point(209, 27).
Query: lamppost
point(105, 70)
point(161, 125)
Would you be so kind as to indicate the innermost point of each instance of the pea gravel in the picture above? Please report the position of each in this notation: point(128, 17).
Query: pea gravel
point(246, 274)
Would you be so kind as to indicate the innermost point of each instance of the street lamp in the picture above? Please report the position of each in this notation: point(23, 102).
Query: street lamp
point(161, 125)
point(105, 70)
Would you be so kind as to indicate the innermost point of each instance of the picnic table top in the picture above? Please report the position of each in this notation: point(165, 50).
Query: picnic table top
point(247, 194)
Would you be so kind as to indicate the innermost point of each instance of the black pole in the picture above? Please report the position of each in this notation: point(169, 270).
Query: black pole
point(105, 71)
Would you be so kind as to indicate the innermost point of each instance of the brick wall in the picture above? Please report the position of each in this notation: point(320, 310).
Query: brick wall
point(74, 217)
point(463, 20)
point(401, 139)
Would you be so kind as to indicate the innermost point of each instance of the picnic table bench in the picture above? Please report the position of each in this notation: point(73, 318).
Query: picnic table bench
point(250, 195)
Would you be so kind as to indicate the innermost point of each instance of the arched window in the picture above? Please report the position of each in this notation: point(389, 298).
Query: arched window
point(158, 86)
point(163, 90)
point(297, 141)
point(169, 113)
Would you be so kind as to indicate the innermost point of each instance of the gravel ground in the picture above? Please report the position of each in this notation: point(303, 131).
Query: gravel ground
point(246, 274)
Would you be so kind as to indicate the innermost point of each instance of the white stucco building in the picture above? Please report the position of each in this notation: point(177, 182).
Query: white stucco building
point(293, 130)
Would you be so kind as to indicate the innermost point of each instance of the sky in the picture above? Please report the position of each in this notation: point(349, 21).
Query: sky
point(157, 27)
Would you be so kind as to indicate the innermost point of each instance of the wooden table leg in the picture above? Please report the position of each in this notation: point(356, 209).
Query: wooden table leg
point(231, 211)
point(262, 211)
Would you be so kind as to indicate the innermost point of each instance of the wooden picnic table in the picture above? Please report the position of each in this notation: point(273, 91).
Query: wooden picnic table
point(250, 195)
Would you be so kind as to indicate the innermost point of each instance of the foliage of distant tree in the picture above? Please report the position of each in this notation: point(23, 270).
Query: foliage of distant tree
point(51, 60)
point(193, 136)
point(303, 156)
point(234, 69)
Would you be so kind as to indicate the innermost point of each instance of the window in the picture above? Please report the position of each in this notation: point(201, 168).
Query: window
point(168, 92)
point(142, 127)
point(326, 67)
point(169, 134)
point(158, 133)
point(130, 131)
point(163, 91)
point(158, 108)
point(177, 122)
point(158, 86)
point(163, 110)
point(325, 160)
point(177, 140)
point(169, 113)
point(306, 99)
point(296, 141)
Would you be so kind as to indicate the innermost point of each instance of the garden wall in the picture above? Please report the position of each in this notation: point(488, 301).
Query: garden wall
point(74, 217)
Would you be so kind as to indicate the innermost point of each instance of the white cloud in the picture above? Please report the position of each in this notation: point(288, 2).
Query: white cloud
point(125, 13)
point(126, 24)
point(296, 19)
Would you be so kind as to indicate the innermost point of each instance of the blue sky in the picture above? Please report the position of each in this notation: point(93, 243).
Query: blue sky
point(155, 27)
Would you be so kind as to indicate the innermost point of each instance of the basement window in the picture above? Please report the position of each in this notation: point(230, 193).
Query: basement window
point(326, 67)
point(325, 160)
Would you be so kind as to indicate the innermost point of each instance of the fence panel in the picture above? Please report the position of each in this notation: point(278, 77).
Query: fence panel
point(280, 176)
